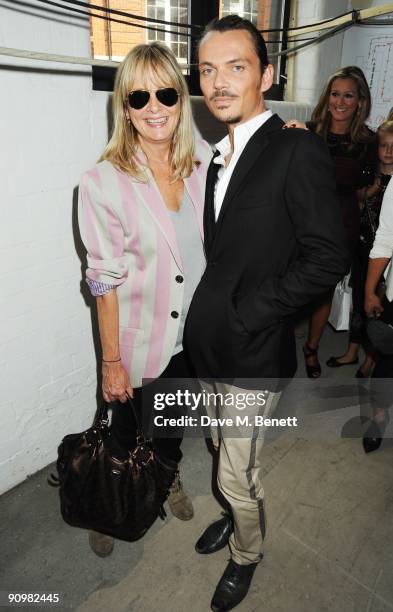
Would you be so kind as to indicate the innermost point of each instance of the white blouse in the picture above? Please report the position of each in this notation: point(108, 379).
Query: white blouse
point(383, 243)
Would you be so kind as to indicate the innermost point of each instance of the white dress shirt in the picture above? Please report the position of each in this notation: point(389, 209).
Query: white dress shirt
point(383, 243)
point(241, 136)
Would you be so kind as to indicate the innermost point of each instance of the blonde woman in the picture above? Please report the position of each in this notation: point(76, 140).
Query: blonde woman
point(141, 220)
point(340, 119)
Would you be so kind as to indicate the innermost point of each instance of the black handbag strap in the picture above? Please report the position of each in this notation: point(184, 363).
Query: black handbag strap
point(135, 415)
point(101, 418)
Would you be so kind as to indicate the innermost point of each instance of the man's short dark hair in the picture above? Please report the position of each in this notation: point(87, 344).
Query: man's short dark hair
point(234, 22)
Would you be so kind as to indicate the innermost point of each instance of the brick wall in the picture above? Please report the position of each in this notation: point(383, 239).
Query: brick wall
point(264, 11)
point(114, 39)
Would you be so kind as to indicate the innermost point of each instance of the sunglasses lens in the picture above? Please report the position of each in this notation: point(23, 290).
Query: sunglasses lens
point(167, 96)
point(138, 99)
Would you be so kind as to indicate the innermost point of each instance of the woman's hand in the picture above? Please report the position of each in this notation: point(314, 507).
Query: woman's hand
point(372, 305)
point(294, 123)
point(115, 382)
point(375, 187)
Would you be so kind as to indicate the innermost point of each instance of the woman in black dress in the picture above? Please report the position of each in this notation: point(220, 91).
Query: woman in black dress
point(339, 118)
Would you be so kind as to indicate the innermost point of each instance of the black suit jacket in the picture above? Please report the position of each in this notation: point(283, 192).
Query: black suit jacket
point(278, 243)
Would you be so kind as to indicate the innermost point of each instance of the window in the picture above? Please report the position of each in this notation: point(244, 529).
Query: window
point(111, 40)
point(265, 15)
point(245, 8)
point(170, 10)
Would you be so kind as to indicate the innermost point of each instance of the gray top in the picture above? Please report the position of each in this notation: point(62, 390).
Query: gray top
point(192, 255)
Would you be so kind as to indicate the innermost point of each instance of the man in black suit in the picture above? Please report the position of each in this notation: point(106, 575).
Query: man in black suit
point(274, 240)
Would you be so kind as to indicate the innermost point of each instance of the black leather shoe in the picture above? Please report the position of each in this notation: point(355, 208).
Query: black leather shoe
point(216, 536)
point(233, 586)
point(373, 435)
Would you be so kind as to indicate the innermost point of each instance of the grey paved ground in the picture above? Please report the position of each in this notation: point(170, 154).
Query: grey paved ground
point(329, 544)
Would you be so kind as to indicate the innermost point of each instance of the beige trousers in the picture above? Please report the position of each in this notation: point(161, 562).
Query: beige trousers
point(240, 466)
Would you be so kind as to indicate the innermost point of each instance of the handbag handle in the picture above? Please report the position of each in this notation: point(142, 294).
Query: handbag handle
point(140, 438)
point(133, 410)
point(101, 418)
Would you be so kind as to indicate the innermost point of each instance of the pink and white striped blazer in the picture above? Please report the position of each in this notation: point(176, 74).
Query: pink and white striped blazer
point(131, 244)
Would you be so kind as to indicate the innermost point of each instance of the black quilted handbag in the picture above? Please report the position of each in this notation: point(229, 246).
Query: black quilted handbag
point(121, 497)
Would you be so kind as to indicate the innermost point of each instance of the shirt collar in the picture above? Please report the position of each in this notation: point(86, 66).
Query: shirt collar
point(241, 136)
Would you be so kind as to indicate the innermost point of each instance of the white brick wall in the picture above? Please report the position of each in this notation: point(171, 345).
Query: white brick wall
point(53, 127)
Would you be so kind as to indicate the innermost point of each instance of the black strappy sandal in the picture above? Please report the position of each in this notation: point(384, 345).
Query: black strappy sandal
point(313, 371)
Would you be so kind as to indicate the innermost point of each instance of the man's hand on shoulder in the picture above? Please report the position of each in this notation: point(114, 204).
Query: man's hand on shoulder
point(294, 123)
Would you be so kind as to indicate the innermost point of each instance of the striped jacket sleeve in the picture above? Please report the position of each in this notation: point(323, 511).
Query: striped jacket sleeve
point(102, 234)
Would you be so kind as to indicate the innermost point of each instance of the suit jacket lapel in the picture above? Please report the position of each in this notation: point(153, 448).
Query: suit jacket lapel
point(252, 151)
point(209, 219)
point(195, 185)
point(151, 198)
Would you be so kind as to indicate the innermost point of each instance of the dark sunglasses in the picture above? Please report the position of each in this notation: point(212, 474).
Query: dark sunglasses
point(137, 99)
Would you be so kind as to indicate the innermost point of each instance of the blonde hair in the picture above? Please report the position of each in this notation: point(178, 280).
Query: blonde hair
point(390, 115)
point(123, 146)
point(321, 115)
point(385, 128)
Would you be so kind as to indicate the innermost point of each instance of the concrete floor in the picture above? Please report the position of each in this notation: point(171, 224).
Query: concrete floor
point(329, 545)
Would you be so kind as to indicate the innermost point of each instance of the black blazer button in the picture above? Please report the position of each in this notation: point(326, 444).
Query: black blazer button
point(174, 314)
point(179, 278)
